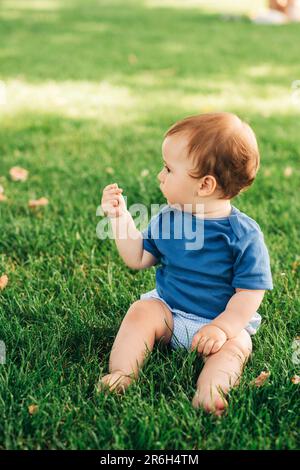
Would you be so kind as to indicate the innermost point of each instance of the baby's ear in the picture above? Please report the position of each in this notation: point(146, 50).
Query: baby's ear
point(199, 187)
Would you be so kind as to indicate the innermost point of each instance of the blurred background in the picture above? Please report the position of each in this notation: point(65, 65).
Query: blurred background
point(89, 87)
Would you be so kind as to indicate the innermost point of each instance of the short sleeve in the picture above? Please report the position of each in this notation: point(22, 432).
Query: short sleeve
point(251, 268)
point(150, 235)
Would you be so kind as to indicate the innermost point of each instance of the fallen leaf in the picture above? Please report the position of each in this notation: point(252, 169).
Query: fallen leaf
point(295, 266)
point(3, 198)
point(260, 380)
point(18, 174)
point(267, 172)
point(109, 170)
point(33, 409)
point(132, 59)
point(3, 281)
point(1, 189)
point(296, 379)
point(288, 171)
point(43, 201)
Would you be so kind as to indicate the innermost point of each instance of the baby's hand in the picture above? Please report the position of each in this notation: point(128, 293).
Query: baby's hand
point(208, 340)
point(113, 203)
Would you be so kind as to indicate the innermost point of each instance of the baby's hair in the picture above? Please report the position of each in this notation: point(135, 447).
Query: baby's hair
point(221, 145)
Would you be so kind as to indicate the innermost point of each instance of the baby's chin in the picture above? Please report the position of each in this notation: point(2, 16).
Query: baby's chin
point(174, 204)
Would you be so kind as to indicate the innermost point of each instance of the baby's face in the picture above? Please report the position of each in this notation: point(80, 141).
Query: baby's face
point(176, 184)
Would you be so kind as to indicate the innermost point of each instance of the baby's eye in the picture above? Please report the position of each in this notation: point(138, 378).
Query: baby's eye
point(167, 168)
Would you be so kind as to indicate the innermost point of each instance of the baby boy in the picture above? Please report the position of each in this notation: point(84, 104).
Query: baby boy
point(207, 295)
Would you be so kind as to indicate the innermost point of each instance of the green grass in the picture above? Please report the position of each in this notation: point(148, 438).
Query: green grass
point(93, 85)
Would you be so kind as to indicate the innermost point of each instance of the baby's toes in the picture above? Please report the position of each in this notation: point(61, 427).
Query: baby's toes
point(103, 384)
point(197, 402)
point(210, 402)
point(114, 383)
point(219, 405)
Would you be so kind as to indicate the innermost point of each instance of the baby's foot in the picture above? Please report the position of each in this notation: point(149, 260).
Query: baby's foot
point(211, 399)
point(115, 382)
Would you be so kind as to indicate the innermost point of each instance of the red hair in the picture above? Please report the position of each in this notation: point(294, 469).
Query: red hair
point(221, 145)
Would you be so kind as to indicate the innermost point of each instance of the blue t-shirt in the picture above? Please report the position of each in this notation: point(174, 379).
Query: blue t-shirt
point(202, 261)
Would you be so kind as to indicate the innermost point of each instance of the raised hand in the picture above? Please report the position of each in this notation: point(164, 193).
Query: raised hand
point(113, 203)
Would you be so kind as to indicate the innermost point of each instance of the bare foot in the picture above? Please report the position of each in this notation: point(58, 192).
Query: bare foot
point(115, 382)
point(211, 399)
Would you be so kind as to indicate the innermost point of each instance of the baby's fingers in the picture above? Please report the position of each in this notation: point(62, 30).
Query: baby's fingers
point(109, 197)
point(110, 186)
point(114, 191)
point(201, 343)
point(109, 205)
point(216, 347)
point(208, 347)
point(195, 341)
point(111, 193)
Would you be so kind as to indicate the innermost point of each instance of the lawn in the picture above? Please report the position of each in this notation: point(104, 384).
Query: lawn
point(88, 89)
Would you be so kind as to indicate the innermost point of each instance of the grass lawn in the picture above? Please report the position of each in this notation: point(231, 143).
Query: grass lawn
point(91, 86)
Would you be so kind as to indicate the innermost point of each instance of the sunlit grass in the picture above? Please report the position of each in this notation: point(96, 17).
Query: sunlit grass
point(224, 6)
point(32, 4)
point(101, 100)
point(105, 100)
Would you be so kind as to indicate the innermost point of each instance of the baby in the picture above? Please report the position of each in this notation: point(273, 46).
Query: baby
point(206, 296)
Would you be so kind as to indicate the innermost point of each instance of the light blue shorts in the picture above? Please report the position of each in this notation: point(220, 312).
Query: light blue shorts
point(186, 325)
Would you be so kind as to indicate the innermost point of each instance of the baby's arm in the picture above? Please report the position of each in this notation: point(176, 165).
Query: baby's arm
point(239, 311)
point(129, 240)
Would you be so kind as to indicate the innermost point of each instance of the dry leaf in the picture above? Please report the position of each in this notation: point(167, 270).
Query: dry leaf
point(288, 171)
point(260, 380)
point(109, 170)
point(1, 189)
point(267, 172)
point(18, 174)
point(43, 201)
point(296, 379)
point(295, 266)
point(132, 59)
point(3, 281)
point(33, 409)
point(144, 173)
point(3, 198)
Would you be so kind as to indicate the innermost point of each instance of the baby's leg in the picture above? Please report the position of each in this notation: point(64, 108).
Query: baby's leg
point(221, 372)
point(146, 321)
